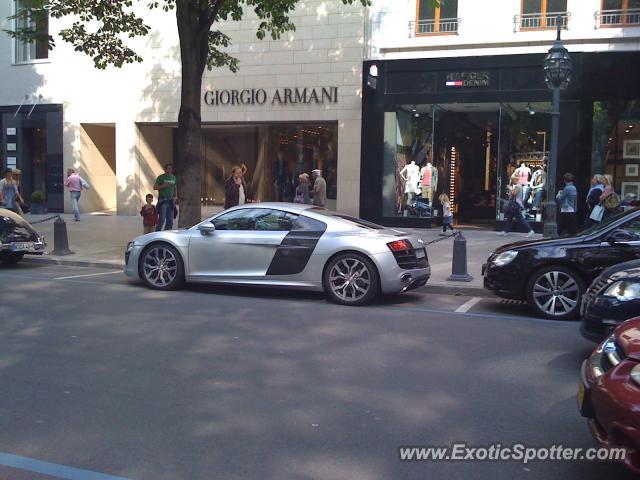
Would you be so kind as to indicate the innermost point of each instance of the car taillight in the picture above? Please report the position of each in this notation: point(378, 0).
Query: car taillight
point(400, 245)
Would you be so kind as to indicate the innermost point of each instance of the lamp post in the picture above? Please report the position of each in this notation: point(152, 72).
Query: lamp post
point(557, 75)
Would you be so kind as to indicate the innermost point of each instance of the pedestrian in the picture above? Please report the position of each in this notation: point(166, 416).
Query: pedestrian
point(593, 197)
point(302, 190)
point(149, 215)
point(9, 194)
point(319, 188)
point(236, 191)
point(609, 200)
point(75, 183)
point(513, 213)
point(567, 199)
point(447, 214)
point(166, 184)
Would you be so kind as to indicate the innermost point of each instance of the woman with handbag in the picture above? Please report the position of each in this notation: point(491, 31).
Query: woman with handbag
point(593, 199)
point(302, 190)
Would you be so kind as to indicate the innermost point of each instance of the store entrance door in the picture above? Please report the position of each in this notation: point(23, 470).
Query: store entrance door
point(466, 142)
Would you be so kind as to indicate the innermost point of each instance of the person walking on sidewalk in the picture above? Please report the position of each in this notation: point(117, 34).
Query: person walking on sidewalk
point(513, 213)
point(75, 183)
point(319, 188)
point(166, 184)
point(9, 194)
point(567, 199)
point(149, 215)
point(447, 214)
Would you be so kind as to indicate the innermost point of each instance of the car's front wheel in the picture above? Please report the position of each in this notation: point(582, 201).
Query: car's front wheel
point(555, 293)
point(10, 258)
point(161, 267)
point(351, 279)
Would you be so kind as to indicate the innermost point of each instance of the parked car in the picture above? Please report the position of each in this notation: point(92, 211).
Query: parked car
point(609, 391)
point(284, 245)
point(551, 275)
point(611, 299)
point(17, 238)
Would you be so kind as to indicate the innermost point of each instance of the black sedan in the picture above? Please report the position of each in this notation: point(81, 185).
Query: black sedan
point(17, 238)
point(611, 299)
point(551, 275)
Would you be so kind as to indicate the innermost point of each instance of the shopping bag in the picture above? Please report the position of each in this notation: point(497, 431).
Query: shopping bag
point(596, 213)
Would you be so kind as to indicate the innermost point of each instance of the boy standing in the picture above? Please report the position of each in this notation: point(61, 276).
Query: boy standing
point(149, 215)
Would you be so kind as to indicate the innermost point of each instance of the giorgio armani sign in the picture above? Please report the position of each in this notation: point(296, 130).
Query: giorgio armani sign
point(280, 96)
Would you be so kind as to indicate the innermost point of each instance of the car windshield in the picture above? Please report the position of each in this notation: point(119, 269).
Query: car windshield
point(347, 218)
point(597, 227)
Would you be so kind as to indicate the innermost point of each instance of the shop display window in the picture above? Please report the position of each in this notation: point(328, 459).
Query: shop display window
point(616, 146)
point(272, 157)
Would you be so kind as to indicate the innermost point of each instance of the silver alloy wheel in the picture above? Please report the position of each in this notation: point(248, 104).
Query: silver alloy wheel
point(160, 266)
point(350, 279)
point(556, 293)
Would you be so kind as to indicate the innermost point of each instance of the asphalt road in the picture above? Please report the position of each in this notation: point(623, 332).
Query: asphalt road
point(100, 374)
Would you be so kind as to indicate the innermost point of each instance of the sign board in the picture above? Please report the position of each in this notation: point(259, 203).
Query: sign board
point(468, 80)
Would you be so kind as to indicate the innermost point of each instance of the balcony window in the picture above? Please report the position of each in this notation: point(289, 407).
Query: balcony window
point(35, 22)
point(432, 20)
point(542, 14)
point(618, 13)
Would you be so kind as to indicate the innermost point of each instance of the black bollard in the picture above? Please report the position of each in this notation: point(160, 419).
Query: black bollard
point(60, 239)
point(459, 265)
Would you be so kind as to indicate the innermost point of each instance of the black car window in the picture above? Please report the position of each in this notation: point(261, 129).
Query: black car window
point(256, 219)
point(632, 226)
point(599, 227)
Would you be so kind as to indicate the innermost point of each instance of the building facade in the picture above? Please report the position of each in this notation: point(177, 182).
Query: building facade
point(456, 103)
point(295, 105)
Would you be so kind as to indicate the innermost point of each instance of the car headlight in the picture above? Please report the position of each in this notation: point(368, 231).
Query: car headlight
point(505, 258)
point(129, 247)
point(623, 290)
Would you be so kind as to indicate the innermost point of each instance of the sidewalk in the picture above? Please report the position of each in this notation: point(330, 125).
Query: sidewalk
point(99, 240)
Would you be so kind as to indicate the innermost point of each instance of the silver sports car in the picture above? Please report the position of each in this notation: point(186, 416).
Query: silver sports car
point(283, 245)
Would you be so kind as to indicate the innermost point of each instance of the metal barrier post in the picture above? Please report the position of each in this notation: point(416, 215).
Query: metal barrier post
point(60, 238)
point(459, 264)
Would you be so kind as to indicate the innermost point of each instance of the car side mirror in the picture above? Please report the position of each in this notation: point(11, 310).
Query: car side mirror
point(207, 228)
point(621, 237)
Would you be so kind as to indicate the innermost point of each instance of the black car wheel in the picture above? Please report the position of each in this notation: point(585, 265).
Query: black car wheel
point(555, 293)
point(351, 279)
point(10, 258)
point(161, 267)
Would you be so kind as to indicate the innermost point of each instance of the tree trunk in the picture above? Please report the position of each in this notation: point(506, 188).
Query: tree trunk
point(193, 51)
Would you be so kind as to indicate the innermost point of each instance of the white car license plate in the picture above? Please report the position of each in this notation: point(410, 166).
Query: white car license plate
point(21, 246)
point(420, 253)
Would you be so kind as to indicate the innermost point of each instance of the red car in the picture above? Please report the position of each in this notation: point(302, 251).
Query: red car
point(609, 391)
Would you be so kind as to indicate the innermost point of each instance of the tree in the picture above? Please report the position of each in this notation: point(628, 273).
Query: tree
point(99, 29)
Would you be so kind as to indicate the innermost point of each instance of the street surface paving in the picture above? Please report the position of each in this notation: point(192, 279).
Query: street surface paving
point(101, 374)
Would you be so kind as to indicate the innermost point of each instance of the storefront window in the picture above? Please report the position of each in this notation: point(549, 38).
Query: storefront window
point(475, 154)
point(616, 146)
point(272, 156)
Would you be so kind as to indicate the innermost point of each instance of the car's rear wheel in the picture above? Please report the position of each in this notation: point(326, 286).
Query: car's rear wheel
point(351, 279)
point(161, 267)
point(11, 258)
point(555, 293)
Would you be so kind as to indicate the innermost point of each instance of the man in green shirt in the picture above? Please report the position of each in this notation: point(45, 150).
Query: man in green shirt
point(166, 184)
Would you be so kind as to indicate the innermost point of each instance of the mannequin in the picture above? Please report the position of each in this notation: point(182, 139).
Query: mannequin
point(434, 180)
point(523, 173)
point(411, 176)
point(538, 183)
point(282, 178)
point(426, 173)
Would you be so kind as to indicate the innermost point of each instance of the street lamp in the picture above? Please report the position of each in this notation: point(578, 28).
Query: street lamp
point(557, 75)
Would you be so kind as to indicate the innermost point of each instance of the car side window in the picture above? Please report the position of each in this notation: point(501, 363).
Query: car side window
point(632, 226)
point(256, 219)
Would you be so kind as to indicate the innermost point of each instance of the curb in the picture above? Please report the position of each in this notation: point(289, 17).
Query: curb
point(452, 289)
point(73, 263)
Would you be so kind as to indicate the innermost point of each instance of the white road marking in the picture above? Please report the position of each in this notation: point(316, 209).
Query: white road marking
point(87, 275)
point(469, 305)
